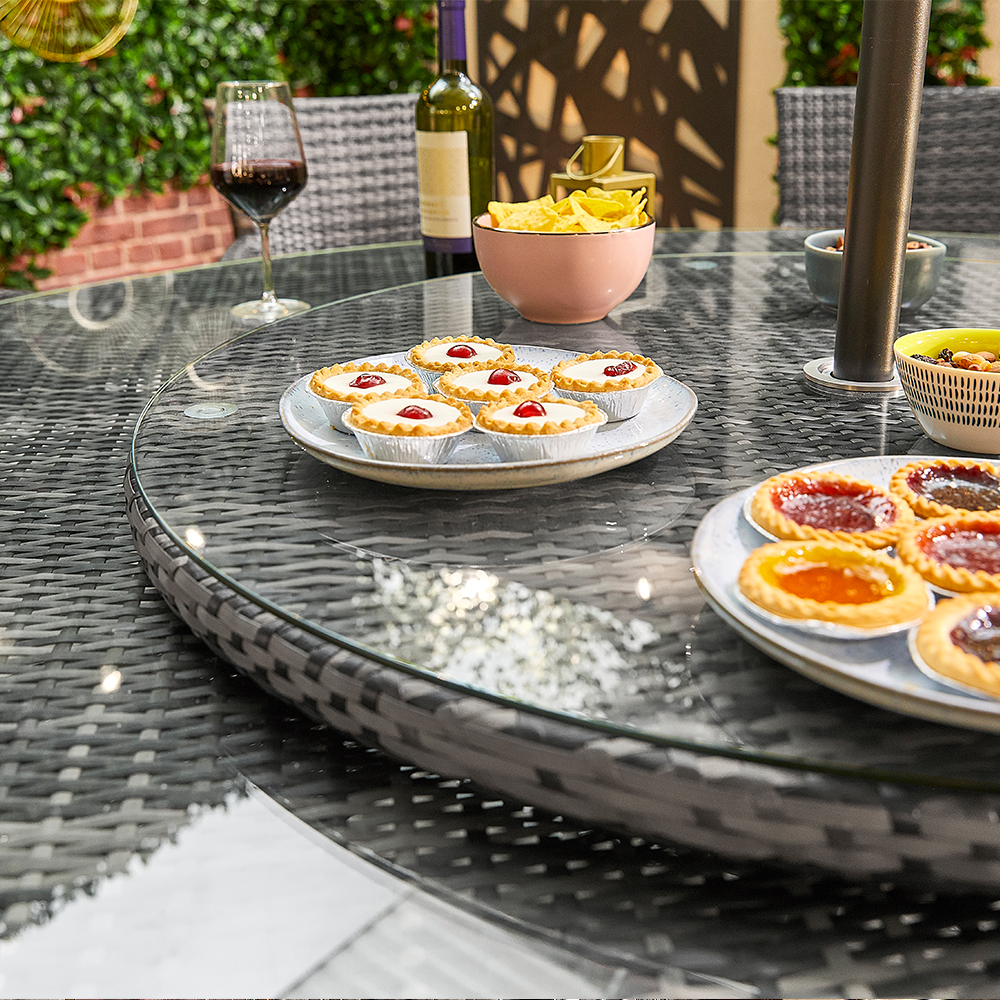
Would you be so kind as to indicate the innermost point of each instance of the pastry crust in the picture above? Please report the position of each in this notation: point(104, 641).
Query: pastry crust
point(890, 514)
point(936, 644)
point(891, 593)
point(454, 383)
point(317, 383)
point(497, 416)
point(646, 372)
point(916, 549)
point(452, 415)
point(423, 354)
point(924, 505)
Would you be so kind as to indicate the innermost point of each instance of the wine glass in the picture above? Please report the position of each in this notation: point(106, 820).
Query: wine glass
point(259, 166)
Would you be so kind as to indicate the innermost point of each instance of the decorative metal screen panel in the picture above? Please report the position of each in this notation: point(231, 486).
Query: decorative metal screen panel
point(661, 74)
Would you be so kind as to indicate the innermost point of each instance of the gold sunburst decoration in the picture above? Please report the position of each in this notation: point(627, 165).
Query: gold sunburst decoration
point(66, 30)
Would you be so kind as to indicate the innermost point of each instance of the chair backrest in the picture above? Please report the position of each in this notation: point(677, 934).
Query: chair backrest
point(361, 155)
point(956, 174)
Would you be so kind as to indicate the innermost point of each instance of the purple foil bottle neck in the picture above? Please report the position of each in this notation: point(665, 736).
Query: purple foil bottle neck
point(451, 31)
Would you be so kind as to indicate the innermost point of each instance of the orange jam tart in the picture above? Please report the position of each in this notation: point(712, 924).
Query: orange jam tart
point(960, 639)
point(939, 486)
point(828, 505)
point(958, 553)
point(833, 582)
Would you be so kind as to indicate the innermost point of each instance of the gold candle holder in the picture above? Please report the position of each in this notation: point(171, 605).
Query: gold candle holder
point(602, 159)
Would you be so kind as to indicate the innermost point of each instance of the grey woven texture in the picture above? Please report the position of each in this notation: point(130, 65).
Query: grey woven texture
point(361, 154)
point(956, 176)
point(93, 773)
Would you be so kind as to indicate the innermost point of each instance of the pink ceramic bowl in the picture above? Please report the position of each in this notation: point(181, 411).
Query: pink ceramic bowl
point(563, 277)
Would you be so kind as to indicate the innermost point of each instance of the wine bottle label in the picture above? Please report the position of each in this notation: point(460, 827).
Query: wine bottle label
point(443, 178)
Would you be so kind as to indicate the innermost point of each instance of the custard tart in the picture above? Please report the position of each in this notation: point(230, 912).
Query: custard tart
point(828, 505)
point(938, 486)
point(338, 387)
point(833, 582)
point(960, 640)
point(617, 382)
point(493, 381)
point(409, 427)
point(434, 357)
point(958, 553)
point(532, 428)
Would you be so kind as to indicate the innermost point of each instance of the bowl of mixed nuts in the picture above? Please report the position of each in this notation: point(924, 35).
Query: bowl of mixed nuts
point(951, 379)
point(922, 266)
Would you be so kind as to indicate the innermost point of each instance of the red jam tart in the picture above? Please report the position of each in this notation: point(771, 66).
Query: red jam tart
point(833, 582)
point(960, 639)
point(939, 486)
point(959, 553)
point(831, 506)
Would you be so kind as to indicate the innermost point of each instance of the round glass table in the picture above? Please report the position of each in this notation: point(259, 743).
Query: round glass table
point(551, 642)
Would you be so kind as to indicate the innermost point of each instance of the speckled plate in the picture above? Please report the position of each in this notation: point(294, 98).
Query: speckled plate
point(474, 465)
point(879, 670)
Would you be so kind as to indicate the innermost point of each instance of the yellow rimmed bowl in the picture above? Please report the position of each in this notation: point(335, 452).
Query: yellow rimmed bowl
point(954, 406)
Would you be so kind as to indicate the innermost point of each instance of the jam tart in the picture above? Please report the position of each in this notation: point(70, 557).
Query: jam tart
point(434, 357)
point(833, 582)
point(338, 387)
point(939, 486)
point(958, 553)
point(540, 428)
point(409, 427)
point(617, 382)
point(828, 505)
point(492, 381)
point(960, 640)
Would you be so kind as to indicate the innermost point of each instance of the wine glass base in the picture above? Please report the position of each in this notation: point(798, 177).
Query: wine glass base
point(268, 312)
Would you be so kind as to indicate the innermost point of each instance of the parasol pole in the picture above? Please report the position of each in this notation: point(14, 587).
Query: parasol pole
point(886, 120)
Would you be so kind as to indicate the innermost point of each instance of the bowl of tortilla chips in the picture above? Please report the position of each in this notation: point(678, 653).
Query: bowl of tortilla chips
point(567, 261)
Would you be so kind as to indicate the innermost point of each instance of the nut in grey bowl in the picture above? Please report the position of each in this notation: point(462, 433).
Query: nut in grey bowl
point(824, 266)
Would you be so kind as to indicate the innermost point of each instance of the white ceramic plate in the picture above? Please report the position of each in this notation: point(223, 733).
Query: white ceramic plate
point(878, 670)
point(474, 465)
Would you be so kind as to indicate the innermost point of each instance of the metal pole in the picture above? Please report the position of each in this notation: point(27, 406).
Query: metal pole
point(886, 119)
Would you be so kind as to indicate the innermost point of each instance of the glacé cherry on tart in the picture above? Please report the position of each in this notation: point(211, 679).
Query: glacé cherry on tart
point(338, 387)
point(959, 553)
point(960, 639)
point(939, 486)
point(828, 505)
point(438, 355)
point(358, 380)
point(834, 582)
point(617, 382)
point(537, 428)
point(410, 414)
point(491, 381)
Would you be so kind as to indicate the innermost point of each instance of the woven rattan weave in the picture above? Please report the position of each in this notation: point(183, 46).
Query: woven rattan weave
point(118, 725)
point(956, 174)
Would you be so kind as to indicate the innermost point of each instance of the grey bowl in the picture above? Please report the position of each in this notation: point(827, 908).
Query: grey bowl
point(921, 269)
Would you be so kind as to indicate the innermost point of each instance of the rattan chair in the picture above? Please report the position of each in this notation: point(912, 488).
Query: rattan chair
point(956, 178)
point(362, 159)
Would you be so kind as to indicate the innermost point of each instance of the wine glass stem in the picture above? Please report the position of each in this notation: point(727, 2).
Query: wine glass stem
point(265, 260)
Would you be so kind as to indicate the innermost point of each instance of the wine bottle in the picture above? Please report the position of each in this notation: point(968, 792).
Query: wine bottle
point(454, 120)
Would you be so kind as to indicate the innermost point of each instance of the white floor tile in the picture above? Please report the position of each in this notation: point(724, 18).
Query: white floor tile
point(243, 904)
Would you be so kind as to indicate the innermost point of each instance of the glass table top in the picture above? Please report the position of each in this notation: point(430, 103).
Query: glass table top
point(574, 599)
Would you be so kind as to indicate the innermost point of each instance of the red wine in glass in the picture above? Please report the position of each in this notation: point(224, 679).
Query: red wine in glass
point(260, 188)
point(259, 166)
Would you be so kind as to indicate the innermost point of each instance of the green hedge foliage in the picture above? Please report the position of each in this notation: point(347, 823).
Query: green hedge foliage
point(822, 39)
point(133, 120)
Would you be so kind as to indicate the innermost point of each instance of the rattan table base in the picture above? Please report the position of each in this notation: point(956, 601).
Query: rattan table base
point(736, 808)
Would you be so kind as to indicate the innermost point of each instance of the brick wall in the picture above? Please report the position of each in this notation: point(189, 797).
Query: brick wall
point(143, 233)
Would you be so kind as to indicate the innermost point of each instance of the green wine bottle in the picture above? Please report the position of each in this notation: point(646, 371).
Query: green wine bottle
point(454, 151)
